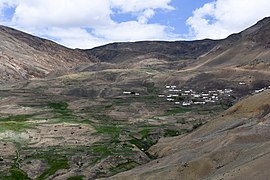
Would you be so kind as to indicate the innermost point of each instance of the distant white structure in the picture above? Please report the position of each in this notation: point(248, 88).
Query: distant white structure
point(126, 92)
point(196, 95)
point(187, 103)
point(137, 94)
point(170, 99)
point(197, 103)
point(177, 103)
point(161, 95)
point(242, 83)
point(220, 91)
point(228, 90)
point(258, 91)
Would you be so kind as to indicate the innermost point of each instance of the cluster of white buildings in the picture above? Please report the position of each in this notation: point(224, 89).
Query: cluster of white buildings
point(190, 97)
point(261, 90)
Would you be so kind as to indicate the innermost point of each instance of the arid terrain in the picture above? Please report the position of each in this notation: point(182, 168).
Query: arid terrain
point(143, 110)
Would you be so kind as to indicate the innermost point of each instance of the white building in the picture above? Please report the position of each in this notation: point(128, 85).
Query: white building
point(126, 92)
point(187, 103)
point(197, 103)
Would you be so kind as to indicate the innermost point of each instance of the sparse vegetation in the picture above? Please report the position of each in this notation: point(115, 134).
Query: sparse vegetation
point(124, 167)
point(142, 144)
point(16, 118)
point(14, 126)
point(177, 110)
point(76, 178)
point(13, 174)
point(55, 163)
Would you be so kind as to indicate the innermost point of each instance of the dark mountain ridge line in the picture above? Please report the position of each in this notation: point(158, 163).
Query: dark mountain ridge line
point(38, 57)
point(178, 50)
point(117, 52)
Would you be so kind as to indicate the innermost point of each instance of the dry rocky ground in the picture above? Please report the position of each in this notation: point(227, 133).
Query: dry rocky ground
point(52, 131)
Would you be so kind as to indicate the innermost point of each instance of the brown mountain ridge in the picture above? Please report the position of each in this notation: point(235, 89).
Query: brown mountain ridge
point(24, 56)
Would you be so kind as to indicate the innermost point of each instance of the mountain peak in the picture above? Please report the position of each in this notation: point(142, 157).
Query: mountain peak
point(26, 56)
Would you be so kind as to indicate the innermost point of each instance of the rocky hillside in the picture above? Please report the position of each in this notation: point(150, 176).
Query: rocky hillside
point(233, 146)
point(248, 49)
point(178, 50)
point(25, 56)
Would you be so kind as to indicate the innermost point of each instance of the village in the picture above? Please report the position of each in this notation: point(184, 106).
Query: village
point(189, 97)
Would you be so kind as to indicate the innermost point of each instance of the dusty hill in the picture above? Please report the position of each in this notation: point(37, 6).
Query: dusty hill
point(170, 51)
point(248, 49)
point(25, 56)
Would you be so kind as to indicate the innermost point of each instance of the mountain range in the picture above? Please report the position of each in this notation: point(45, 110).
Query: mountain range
point(118, 111)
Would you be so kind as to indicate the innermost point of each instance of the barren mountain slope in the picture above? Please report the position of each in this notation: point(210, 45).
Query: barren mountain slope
point(234, 146)
point(249, 49)
point(178, 50)
point(25, 56)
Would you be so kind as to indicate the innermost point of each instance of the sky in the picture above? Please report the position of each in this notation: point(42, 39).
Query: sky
point(90, 23)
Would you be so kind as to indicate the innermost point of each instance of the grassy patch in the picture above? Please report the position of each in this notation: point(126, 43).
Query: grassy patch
point(55, 165)
point(58, 106)
point(17, 118)
point(62, 113)
point(152, 90)
point(102, 150)
point(14, 126)
point(54, 160)
point(102, 117)
point(145, 133)
point(197, 124)
point(124, 167)
point(142, 144)
point(18, 174)
point(171, 133)
point(14, 174)
point(177, 110)
point(112, 131)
